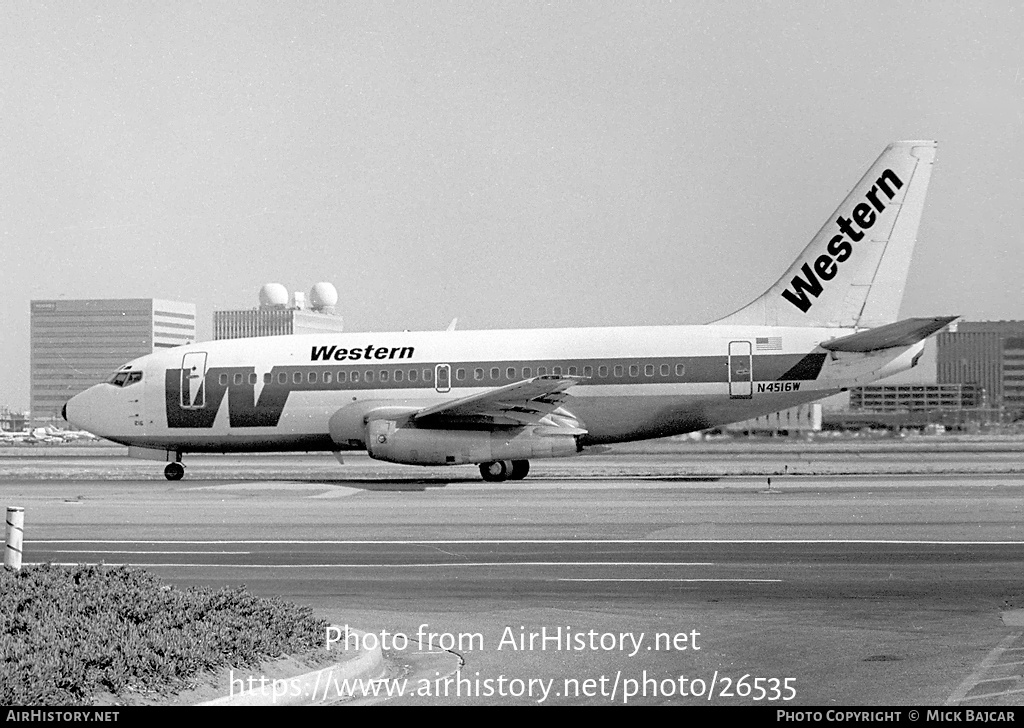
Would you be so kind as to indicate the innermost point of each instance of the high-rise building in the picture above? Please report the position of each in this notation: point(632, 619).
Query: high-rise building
point(988, 354)
point(78, 343)
point(1013, 374)
point(277, 317)
point(259, 322)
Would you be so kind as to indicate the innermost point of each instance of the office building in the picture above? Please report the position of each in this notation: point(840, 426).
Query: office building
point(988, 354)
point(276, 316)
point(78, 343)
point(803, 418)
point(915, 397)
point(1013, 375)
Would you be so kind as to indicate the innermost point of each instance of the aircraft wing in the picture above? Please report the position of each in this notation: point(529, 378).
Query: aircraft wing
point(521, 403)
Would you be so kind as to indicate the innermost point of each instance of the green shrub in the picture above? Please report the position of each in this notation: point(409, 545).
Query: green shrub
point(67, 634)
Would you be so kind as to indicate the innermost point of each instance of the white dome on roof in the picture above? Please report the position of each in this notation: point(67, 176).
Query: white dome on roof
point(323, 296)
point(272, 295)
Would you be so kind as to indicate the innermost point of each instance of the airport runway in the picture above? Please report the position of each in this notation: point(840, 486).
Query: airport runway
point(861, 589)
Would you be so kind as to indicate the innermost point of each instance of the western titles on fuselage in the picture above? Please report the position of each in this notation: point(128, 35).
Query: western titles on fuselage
point(337, 353)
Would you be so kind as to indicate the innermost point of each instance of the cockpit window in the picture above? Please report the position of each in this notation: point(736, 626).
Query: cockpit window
point(125, 378)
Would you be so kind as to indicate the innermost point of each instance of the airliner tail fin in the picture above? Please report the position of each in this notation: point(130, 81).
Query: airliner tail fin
point(853, 272)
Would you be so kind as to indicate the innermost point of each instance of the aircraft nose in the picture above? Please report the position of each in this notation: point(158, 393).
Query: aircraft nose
point(92, 411)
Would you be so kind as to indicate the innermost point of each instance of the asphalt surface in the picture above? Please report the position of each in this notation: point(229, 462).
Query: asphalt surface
point(631, 576)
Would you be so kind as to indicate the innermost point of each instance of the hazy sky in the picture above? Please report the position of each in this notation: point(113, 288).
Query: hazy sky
point(512, 164)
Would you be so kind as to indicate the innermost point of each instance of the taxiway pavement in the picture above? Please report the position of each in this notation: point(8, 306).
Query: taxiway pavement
point(861, 589)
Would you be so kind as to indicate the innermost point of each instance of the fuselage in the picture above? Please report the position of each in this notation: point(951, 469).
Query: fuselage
point(280, 393)
point(501, 398)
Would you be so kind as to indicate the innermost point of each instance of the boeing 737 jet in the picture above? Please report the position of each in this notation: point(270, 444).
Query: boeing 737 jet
point(502, 398)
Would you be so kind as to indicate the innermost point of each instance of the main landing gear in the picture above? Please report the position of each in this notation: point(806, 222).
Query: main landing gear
point(174, 471)
point(499, 470)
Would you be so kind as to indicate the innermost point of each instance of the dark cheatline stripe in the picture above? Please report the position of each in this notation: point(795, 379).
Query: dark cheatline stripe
point(239, 383)
point(807, 368)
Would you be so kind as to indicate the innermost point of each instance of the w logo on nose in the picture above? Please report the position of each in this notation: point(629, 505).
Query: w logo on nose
point(193, 400)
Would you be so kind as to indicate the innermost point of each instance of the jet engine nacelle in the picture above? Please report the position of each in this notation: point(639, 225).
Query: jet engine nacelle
point(386, 440)
point(348, 425)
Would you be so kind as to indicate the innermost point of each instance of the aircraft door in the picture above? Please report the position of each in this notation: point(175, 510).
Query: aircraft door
point(193, 379)
point(443, 378)
point(741, 370)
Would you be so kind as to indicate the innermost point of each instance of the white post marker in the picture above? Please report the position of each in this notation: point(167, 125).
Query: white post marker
point(15, 533)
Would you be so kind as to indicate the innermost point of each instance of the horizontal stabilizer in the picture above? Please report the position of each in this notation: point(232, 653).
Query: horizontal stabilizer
point(902, 333)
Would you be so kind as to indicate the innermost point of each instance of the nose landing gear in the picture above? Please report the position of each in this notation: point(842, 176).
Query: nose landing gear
point(174, 471)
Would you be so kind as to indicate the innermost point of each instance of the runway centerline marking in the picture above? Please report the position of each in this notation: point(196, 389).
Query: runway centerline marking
point(745, 581)
point(164, 553)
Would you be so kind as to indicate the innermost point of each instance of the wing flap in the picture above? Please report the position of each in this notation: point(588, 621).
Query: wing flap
point(524, 402)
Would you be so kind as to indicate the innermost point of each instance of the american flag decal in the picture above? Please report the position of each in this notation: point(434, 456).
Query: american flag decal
point(769, 343)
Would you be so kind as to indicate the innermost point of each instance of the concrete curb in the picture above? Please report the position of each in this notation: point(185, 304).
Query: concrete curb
point(314, 687)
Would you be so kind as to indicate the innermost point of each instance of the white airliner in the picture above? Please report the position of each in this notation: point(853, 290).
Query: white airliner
point(502, 398)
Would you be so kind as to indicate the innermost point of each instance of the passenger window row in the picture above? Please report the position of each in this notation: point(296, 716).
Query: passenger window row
point(329, 377)
point(603, 371)
point(480, 374)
